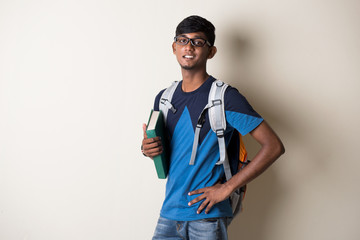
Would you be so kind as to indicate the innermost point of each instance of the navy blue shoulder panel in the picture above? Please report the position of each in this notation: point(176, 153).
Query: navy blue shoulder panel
point(236, 102)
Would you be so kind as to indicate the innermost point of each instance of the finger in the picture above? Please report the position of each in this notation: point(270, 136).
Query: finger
point(198, 199)
point(151, 155)
point(152, 147)
point(148, 146)
point(150, 140)
point(153, 152)
point(144, 129)
point(197, 191)
point(209, 206)
point(202, 206)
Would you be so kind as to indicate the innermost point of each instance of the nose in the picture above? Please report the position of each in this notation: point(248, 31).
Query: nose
point(189, 46)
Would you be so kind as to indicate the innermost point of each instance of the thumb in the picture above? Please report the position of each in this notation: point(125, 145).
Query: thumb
point(144, 129)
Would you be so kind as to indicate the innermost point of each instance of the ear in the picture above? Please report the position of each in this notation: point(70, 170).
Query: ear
point(212, 52)
point(174, 47)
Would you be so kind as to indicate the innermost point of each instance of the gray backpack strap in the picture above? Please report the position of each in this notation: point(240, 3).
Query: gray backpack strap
point(218, 125)
point(199, 125)
point(165, 100)
point(218, 122)
point(215, 107)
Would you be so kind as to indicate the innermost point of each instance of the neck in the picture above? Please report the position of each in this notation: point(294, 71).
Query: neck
point(193, 80)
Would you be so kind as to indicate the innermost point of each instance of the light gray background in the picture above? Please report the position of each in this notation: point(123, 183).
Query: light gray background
point(78, 79)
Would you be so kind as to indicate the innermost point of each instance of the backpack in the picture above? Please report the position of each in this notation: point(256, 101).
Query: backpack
point(215, 109)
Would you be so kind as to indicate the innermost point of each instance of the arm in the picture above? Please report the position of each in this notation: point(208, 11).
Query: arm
point(150, 147)
point(271, 149)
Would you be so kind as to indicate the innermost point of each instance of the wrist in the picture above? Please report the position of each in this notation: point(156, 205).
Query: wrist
point(229, 189)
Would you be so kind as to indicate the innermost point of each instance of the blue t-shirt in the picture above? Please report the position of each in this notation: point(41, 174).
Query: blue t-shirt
point(182, 177)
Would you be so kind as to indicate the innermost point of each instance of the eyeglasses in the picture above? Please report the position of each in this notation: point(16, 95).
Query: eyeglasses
point(196, 42)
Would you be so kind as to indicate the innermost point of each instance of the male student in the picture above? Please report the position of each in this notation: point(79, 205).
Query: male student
point(196, 204)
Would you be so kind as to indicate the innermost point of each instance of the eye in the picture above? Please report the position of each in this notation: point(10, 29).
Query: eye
point(182, 40)
point(199, 42)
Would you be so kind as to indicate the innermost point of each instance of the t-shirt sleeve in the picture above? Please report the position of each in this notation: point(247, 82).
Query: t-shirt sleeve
point(157, 100)
point(239, 113)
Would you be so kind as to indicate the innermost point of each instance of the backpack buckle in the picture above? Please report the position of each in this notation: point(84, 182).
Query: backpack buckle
point(216, 102)
point(201, 121)
point(168, 104)
point(219, 84)
point(220, 133)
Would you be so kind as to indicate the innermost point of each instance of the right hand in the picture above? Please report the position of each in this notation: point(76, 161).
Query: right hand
point(151, 147)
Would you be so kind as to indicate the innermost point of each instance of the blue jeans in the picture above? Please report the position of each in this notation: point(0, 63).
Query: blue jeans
point(204, 229)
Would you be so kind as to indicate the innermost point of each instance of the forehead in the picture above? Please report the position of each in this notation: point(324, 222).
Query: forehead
point(194, 35)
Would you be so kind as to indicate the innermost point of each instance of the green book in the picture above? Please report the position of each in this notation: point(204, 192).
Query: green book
point(156, 128)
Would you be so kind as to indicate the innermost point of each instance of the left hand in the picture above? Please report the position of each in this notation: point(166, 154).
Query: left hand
point(211, 195)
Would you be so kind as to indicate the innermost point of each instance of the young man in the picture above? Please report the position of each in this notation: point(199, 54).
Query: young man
point(196, 204)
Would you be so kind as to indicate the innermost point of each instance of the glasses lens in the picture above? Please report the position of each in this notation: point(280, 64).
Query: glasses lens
point(198, 42)
point(182, 40)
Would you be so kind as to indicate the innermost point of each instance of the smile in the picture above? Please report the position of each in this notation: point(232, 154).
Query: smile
point(188, 57)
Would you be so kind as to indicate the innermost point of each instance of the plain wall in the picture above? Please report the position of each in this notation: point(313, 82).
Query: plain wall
point(78, 79)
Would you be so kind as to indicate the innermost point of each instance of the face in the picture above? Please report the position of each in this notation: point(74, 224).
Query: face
point(191, 57)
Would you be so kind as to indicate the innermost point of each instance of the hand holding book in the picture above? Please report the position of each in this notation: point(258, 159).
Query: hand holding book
point(151, 147)
point(153, 144)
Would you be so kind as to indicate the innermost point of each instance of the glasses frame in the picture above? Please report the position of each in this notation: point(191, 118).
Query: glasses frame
point(191, 40)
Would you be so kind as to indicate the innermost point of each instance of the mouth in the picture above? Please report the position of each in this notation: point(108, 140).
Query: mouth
point(188, 56)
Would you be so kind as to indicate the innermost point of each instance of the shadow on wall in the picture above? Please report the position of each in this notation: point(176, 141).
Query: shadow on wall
point(302, 106)
point(301, 132)
point(264, 195)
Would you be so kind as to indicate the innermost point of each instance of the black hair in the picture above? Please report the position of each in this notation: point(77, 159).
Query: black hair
point(197, 24)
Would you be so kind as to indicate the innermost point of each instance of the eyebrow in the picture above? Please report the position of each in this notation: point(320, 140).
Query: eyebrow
point(196, 36)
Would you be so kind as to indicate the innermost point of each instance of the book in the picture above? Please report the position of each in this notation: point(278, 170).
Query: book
point(156, 128)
